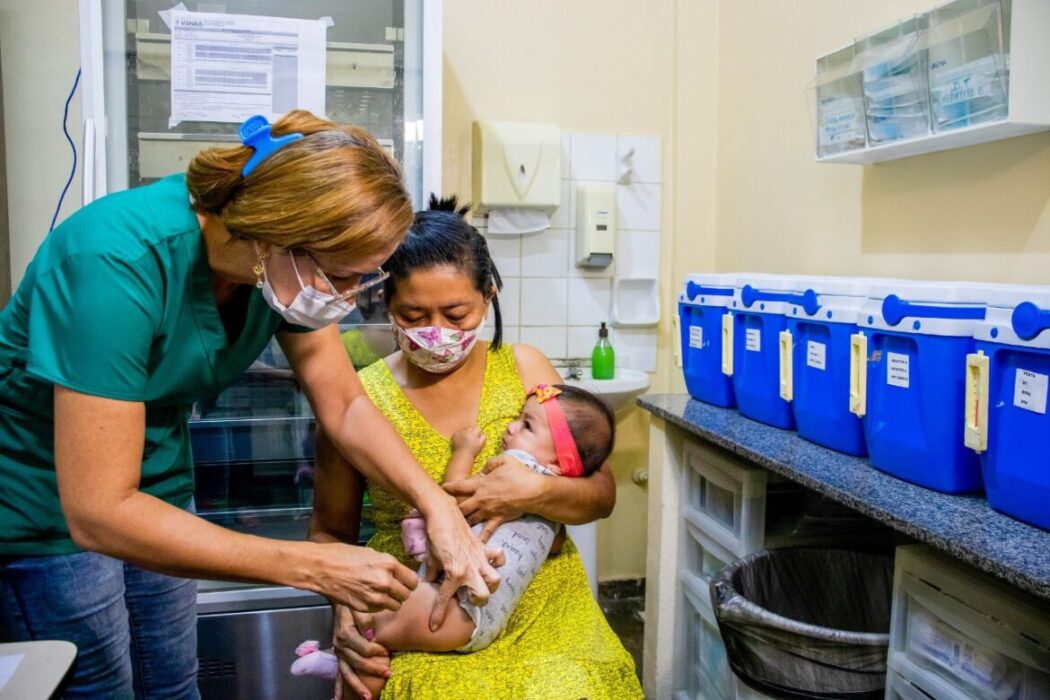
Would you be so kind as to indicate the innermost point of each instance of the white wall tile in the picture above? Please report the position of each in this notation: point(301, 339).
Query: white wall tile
point(589, 301)
point(510, 333)
point(510, 301)
point(646, 160)
point(564, 216)
point(506, 253)
point(544, 302)
point(638, 207)
point(566, 155)
point(638, 254)
point(545, 254)
point(551, 341)
point(582, 340)
point(593, 157)
point(635, 348)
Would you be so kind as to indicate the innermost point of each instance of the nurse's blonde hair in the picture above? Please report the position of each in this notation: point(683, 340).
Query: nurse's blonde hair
point(334, 191)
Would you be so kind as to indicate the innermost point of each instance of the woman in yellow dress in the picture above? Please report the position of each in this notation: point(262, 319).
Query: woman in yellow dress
point(557, 644)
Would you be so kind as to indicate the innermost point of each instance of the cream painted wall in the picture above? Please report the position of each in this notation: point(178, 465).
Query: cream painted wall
point(41, 51)
point(586, 65)
point(980, 213)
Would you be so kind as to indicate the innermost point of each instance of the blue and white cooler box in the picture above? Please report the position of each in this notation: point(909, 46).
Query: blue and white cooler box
point(759, 308)
point(1006, 402)
point(703, 305)
point(815, 360)
point(908, 372)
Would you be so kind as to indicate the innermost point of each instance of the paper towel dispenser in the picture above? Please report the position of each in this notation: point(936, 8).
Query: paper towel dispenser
point(517, 165)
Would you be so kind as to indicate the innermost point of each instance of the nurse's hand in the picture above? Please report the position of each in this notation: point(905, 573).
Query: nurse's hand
point(361, 578)
point(356, 654)
point(503, 491)
point(464, 560)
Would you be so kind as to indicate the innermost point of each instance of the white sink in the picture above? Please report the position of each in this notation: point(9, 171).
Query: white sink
point(620, 391)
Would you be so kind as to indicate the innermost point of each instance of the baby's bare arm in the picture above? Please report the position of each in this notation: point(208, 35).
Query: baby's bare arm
point(466, 446)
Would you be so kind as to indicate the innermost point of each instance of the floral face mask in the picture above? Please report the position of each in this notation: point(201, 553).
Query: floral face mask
point(436, 349)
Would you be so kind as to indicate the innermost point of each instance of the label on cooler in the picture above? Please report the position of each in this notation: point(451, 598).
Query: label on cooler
point(816, 354)
point(1030, 391)
point(754, 340)
point(696, 336)
point(898, 370)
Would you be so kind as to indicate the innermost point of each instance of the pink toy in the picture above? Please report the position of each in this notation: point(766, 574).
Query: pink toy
point(414, 535)
point(313, 661)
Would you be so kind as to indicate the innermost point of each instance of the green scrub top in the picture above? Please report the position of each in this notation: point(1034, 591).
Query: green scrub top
point(116, 303)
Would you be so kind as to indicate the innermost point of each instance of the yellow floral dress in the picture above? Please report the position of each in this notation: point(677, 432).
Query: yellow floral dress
point(557, 645)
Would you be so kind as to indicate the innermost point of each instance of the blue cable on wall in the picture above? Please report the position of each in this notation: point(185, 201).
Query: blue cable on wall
point(72, 146)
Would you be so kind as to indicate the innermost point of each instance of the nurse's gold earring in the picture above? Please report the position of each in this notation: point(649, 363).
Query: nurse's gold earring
point(258, 270)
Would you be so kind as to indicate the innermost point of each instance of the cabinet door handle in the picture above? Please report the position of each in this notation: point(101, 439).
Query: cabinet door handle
point(975, 429)
point(858, 374)
point(787, 379)
point(727, 345)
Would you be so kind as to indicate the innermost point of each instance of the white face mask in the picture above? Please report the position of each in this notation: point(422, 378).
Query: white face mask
point(436, 349)
point(310, 307)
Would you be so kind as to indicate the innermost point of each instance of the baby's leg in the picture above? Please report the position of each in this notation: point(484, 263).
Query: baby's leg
point(408, 629)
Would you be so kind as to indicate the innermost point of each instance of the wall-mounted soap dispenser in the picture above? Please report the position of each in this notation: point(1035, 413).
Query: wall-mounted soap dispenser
point(595, 225)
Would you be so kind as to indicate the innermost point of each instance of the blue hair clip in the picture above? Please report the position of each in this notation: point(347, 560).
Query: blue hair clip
point(255, 133)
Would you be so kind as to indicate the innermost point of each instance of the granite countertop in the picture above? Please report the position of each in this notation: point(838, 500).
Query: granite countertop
point(963, 526)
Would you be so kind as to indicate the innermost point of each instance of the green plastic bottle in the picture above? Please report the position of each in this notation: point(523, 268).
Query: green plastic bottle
point(603, 359)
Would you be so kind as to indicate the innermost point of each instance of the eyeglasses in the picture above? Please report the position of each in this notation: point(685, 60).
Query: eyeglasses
point(368, 281)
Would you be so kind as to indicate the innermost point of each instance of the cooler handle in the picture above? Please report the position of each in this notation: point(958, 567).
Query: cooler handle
point(787, 379)
point(727, 344)
point(807, 300)
point(976, 421)
point(693, 290)
point(895, 310)
point(858, 374)
point(1029, 320)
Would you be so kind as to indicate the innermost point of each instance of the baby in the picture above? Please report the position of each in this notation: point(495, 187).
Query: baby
point(562, 431)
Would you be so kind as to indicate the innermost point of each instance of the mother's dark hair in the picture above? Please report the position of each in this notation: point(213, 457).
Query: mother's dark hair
point(441, 235)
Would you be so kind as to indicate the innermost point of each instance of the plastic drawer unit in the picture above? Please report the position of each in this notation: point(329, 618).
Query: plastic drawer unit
point(815, 357)
point(759, 309)
point(703, 307)
point(703, 668)
point(896, 99)
point(957, 634)
point(1006, 402)
point(729, 509)
point(968, 64)
point(908, 371)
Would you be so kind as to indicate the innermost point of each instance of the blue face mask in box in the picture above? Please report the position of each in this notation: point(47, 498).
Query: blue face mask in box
point(310, 308)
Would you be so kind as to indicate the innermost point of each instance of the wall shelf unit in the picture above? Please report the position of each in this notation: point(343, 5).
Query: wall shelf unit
point(966, 72)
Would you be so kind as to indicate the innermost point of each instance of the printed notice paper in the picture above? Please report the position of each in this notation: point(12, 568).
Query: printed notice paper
point(225, 68)
point(753, 340)
point(696, 336)
point(816, 354)
point(898, 370)
point(1030, 391)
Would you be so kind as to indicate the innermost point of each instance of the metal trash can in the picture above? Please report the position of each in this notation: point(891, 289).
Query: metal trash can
point(807, 623)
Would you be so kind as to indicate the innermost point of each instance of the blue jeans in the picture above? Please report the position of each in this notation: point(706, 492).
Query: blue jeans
point(135, 630)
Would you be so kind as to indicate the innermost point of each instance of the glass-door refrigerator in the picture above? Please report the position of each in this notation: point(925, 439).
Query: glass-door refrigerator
point(164, 79)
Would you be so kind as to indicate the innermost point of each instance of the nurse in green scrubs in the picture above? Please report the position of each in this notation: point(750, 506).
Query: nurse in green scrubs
point(144, 302)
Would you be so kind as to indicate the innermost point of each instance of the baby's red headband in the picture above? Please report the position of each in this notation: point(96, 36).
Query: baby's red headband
point(564, 446)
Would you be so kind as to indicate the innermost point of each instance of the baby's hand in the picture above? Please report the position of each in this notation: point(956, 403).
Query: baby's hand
point(471, 439)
